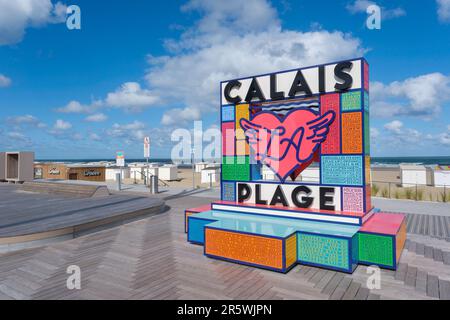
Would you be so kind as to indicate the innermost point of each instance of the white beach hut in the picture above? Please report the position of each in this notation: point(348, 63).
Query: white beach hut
point(413, 174)
point(311, 174)
point(168, 172)
point(210, 174)
point(2, 166)
point(442, 176)
point(200, 166)
point(267, 173)
point(111, 172)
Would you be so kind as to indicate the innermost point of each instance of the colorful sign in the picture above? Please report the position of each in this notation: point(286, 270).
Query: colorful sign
point(292, 120)
point(120, 159)
point(295, 180)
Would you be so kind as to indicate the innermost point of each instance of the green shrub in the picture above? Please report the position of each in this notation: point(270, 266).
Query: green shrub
point(409, 194)
point(385, 193)
point(375, 189)
point(420, 194)
point(397, 194)
point(444, 196)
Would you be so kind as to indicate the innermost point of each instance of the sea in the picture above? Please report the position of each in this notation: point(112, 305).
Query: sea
point(382, 161)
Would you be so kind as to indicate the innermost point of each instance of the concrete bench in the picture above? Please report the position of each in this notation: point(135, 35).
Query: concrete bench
point(66, 189)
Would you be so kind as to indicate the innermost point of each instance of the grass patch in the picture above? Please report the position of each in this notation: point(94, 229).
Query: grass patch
point(409, 194)
point(375, 189)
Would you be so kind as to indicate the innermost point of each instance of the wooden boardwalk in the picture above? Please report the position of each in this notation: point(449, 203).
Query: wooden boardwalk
point(25, 213)
point(150, 259)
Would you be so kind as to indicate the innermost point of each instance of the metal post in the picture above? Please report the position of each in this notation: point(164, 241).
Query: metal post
point(193, 168)
point(154, 184)
point(148, 167)
point(210, 180)
point(389, 187)
point(119, 181)
point(135, 177)
point(416, 191)
point(445, 195)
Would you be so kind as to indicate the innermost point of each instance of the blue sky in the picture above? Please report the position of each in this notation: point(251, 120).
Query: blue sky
point(141, 68)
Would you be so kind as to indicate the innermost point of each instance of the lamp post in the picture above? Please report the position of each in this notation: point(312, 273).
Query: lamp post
point(193, 167)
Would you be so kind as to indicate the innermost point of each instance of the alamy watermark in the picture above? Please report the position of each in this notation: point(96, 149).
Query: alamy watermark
point(73, 20)
point(374, 280)
point(73, 282)
point(373, 21)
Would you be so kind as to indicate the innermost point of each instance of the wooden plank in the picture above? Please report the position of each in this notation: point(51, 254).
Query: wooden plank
point(332, 285)
point(341, 288)
point(363, 294)
point(352, 290)
point(420, 249)
point(421, 281)
point(373, 296)
point(324, 281)
point(413, 246)
point(429, 252)
point(446, 257)
point(444, 289)
point(400, 274)
point(433, 286)
point(437, 255)
point(410, 279)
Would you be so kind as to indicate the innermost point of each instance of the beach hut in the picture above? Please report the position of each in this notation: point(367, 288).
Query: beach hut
point(210, 174)
point(200, 166)
point(267, 173)
point(442, 176)
point(168, 172)
point(19, 166)
point(413, 174)
point(311, 174)
point(2, 166)
point(111, 173)
point(137, 170)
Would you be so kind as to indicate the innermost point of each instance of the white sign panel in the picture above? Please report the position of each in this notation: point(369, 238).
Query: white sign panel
point(290, 195)
point(147, 147)
point(337, 77)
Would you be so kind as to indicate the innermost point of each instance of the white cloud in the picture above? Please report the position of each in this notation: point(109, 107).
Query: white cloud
point(394, 126)
point(26, 120)
point(204, 56)
point(443, 10)
point(97, 117)
point(4, 81)
point(444, 139)
point(173, 116)
point(17, 16)
point(94, 137)
point(129, 132)
point(374, 133)
point(421, 96)
point(360, 6)
point(17, 136)
point(62, 125)
point(225, 16)
point(131, 97)
point(76, 107)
